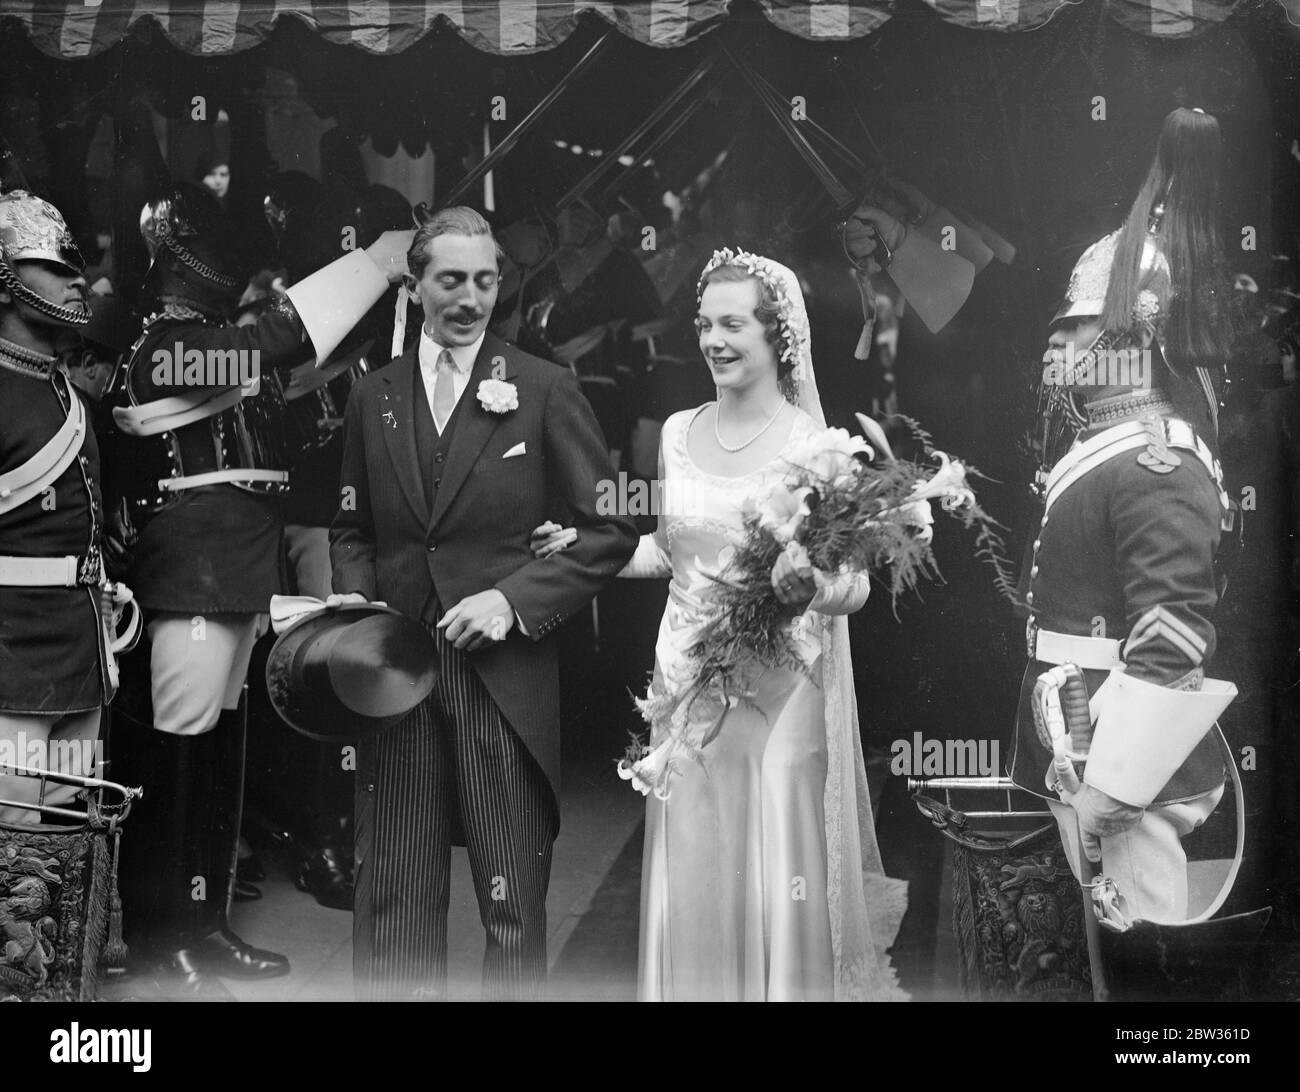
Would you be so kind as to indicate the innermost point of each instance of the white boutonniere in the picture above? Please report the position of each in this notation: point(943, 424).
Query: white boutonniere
point(498, 396)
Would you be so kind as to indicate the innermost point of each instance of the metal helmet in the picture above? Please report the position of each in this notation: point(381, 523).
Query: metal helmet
point(1086, 295)
point(182, 222)
point(31, 229)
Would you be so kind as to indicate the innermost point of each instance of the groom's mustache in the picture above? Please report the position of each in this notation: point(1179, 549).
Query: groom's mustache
point(472, 314)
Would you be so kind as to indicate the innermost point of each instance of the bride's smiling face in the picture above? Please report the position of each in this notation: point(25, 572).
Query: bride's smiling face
point(732, 339)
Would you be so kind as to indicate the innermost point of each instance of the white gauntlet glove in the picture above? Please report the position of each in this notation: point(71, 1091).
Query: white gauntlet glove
point(1100, 816)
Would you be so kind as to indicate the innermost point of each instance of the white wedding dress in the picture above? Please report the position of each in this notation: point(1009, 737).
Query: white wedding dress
point(761, 877)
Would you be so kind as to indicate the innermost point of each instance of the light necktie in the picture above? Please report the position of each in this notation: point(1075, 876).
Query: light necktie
point(444, 389)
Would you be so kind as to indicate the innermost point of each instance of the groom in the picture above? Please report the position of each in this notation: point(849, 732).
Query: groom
point(451, 456)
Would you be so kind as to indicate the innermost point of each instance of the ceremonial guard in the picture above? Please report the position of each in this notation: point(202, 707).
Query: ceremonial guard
point(55, 662)
point(1122, 587)
point(200, 411)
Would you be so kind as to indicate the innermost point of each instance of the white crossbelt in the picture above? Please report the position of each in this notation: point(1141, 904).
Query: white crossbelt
point(217, 477)
point(22, 483)
point(1129, 436)
point(167, 414)
point(39, 572)
point(1091, 653)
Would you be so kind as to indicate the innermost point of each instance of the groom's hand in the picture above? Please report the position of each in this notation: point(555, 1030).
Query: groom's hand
point(478, 620)
point(346, 599)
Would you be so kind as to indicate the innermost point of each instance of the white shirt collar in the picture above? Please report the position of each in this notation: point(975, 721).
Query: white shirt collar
point(463, 356)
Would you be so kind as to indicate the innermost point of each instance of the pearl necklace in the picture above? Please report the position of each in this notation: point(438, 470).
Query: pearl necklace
point(741, 447)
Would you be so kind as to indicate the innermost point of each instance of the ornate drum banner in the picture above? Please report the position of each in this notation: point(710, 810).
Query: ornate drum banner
point(1017, 912)
point(60, 915)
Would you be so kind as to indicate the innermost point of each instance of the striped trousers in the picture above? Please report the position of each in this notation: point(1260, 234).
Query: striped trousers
point(453, 752)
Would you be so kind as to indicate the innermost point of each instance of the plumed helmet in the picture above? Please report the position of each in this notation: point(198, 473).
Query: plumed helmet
point(1086, 295)
point(33, 229)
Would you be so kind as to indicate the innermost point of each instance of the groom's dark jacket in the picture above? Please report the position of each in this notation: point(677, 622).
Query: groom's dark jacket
point(388, 543)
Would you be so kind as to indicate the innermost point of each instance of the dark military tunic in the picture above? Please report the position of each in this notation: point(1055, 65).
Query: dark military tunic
point(1129, 544)
point(52, 659)
point(215, 548)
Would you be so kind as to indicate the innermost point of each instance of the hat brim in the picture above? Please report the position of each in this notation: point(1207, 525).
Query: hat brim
point(1078, 309)
point(319, 714)
point(71, 261)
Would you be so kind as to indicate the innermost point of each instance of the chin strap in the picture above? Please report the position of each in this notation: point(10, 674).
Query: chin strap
point(69, 316)
point(185, 255)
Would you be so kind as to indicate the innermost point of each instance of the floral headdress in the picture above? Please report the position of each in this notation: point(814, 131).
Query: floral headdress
point(793, 337)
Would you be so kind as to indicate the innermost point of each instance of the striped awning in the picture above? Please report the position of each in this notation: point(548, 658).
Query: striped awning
point(82, 28)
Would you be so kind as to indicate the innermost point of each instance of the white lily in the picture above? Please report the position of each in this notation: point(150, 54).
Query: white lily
point(783, 511)
point(829, 454)
point(651, 773)
point(947, 485)
point(920, 519)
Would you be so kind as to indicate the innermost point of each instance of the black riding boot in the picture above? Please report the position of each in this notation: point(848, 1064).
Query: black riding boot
point(164, 861)
point(214, 947)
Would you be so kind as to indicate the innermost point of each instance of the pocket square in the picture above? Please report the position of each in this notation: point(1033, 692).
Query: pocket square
point(518, 449)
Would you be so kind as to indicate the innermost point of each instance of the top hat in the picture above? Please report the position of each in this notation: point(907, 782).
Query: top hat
point(349, 670)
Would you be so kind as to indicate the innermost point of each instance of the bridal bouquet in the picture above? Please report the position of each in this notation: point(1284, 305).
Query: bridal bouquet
point(838, 512)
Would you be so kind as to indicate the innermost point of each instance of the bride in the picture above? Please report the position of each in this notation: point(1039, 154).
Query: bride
point(761, 877)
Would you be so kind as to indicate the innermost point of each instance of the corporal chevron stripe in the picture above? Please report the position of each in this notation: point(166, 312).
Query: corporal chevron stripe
point(1159, 623)
point(453, 749)
point(219, 27)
